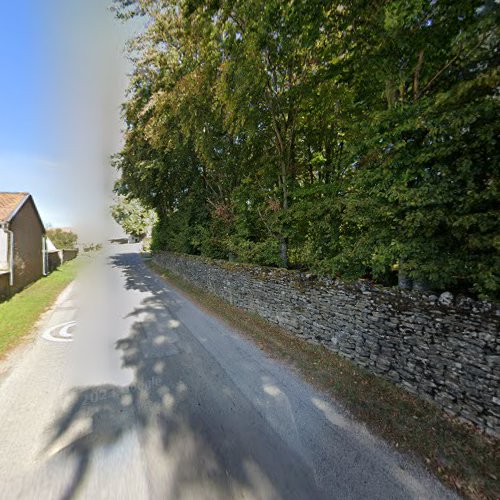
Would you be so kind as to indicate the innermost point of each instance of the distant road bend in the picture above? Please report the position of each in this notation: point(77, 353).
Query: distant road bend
point(132, 392)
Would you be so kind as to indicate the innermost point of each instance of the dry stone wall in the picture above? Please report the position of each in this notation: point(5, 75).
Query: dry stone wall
point(444, 349)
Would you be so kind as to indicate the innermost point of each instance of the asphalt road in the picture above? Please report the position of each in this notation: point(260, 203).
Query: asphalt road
point(130, 391)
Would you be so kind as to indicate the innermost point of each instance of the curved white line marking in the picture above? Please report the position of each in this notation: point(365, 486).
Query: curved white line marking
point(59, 333)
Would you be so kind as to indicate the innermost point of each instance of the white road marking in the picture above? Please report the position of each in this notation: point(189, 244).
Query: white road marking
point(60, 333)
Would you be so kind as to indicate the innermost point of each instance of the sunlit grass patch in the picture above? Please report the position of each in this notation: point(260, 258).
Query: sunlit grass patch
point(19, 314)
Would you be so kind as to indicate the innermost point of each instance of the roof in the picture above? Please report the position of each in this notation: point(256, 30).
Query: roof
point(10, 203)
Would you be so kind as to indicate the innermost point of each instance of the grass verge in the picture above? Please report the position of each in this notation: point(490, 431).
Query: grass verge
point(19, 314)
point(462, 458)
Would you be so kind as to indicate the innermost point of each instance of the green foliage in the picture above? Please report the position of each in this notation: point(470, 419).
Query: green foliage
point(351, 138)
point(63, 239)
point(134, 218)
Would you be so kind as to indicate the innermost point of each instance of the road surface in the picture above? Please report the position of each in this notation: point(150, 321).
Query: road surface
point(130, 391)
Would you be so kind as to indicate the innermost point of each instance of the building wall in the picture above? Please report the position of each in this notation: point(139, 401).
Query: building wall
point(54, 260)
point(28, 246)
point(444, 349)
point(4, 285)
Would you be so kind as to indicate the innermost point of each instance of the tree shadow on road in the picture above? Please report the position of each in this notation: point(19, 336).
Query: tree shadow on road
point(140, 280)
point(201, 438)
point(98, 416)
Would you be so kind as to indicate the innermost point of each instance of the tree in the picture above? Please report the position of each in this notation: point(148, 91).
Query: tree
point(134, 218)
point(63, 239)
point(425, 178)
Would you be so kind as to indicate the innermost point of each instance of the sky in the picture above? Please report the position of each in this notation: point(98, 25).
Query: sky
point(63, 79)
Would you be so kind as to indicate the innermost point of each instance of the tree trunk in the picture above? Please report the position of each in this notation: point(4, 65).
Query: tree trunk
point(284, 252)
point(284, 239)
point(404, 281)
point(416, 75)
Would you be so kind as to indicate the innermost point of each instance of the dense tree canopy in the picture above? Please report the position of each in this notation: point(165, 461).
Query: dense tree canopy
point(349, 137)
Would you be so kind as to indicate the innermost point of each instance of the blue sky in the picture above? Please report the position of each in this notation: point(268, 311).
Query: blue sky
point(21, 58)
point(63, 78)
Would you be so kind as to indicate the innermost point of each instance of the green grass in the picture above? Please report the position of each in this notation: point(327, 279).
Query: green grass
point(19, 314)
point(461, 457)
